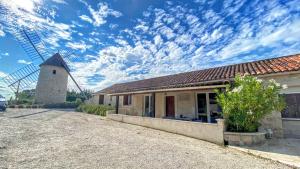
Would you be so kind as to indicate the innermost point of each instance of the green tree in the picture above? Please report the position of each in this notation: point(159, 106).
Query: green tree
point(248, 102)
point(72, 96)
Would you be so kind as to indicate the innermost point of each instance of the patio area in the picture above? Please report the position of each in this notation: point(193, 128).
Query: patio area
point(286, 151)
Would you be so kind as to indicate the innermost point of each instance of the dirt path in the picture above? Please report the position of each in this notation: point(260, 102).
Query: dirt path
point(65, 139)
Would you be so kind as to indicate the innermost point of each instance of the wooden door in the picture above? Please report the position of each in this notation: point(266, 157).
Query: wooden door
point(170, 106)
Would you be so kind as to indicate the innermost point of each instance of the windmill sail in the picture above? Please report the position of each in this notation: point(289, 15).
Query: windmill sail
point(32, 44)
point(23, 78)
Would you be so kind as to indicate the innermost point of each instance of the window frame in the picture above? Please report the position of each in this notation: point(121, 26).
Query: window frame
point(127, 100)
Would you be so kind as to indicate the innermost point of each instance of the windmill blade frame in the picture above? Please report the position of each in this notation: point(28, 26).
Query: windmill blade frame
point(32, 43)
point(66, 61)
point(22, 78)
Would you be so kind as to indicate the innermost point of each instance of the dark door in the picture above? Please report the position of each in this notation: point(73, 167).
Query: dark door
point(101, 99)
point(202, 107)
point(292, 109)
point(170, 106)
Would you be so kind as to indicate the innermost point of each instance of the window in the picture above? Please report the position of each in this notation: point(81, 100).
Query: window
point(126, 100)
point(54, 72)
point(292, 109)
point(101, 99)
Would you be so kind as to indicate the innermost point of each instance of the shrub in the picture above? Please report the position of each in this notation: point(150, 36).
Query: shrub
point(21, 106)
point(78, 101)
point(34, 106)
point(11, 106)
point(66, 105)
point(28, 106)
point(94, 109)
point(248, 102)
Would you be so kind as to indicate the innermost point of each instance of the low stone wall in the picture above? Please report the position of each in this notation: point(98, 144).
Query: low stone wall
point(241, 139)
point(272, 121)
point(203, 131)
point(291, 128)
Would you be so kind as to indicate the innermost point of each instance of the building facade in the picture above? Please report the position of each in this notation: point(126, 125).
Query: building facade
point(192, 95)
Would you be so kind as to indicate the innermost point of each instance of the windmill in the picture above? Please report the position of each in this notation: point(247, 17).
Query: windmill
point(51, 78)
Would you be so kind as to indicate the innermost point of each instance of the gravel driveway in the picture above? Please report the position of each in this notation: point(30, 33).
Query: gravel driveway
point(65, 139)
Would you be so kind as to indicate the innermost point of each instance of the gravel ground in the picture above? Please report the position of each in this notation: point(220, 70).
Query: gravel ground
point(65, 139)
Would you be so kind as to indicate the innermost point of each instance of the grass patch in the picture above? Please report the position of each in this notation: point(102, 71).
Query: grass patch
point(94, 109)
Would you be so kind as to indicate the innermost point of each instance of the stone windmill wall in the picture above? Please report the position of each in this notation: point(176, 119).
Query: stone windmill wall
point(53, 81)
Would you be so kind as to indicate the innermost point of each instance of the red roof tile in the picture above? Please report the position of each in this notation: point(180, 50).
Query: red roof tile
point(212, 75)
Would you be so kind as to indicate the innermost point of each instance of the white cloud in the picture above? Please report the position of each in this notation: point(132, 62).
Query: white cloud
point(4, 90)
point(99, 16)
point(21, 61)
point(86, 18)
point(82, 46)
point(5, 54)
point(27, 14)
point(2, 74)
point(2, 33)
point(60, 1)
point(289, 33)
point(27, 5)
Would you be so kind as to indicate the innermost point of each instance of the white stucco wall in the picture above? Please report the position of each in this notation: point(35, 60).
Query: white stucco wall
point(51, 88)
point(274, 120)
point(108, 100)
point(203, 131)
point(185, 103)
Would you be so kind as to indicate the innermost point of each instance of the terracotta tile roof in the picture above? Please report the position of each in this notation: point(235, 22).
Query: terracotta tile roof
point(210, 76)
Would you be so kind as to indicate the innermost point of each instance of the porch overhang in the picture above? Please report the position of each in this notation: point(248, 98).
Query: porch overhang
point(170, 90)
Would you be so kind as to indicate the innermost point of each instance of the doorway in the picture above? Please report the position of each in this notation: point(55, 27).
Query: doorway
point(202, 107)
point(170, 106)
point(147, 106)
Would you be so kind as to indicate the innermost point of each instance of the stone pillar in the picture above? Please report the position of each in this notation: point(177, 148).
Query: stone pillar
point(117, 104)
point(208, 108)
point(153, 104)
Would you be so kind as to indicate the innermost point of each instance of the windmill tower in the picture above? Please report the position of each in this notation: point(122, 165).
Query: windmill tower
point(52, 84)
point(52, 76)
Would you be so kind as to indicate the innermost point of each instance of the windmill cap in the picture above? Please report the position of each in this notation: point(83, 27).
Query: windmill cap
point(56, 60)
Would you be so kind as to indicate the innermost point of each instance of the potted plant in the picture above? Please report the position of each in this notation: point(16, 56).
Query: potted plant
point(246, 102)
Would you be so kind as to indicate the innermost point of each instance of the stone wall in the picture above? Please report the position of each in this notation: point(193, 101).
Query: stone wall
point(291, 128)
point(51, 88)
point(274, 122)
point(241, 139)
point(203, 131)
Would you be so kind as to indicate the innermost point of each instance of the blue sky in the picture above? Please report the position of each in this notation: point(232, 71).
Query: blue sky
point(125, 40)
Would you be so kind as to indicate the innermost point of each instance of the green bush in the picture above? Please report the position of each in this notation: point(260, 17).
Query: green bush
point(94, 109)
point(78, 101)
point(248, 102)
point(21, 106)
point(66, 105)
point(11, 106)
point(34, 106)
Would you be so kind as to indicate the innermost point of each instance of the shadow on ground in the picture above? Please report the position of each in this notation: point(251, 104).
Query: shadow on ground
point(280, 146)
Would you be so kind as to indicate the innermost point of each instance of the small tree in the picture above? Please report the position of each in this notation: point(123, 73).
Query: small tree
point(248, 102)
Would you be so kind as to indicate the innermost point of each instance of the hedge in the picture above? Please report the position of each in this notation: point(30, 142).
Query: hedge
point(94, 109)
